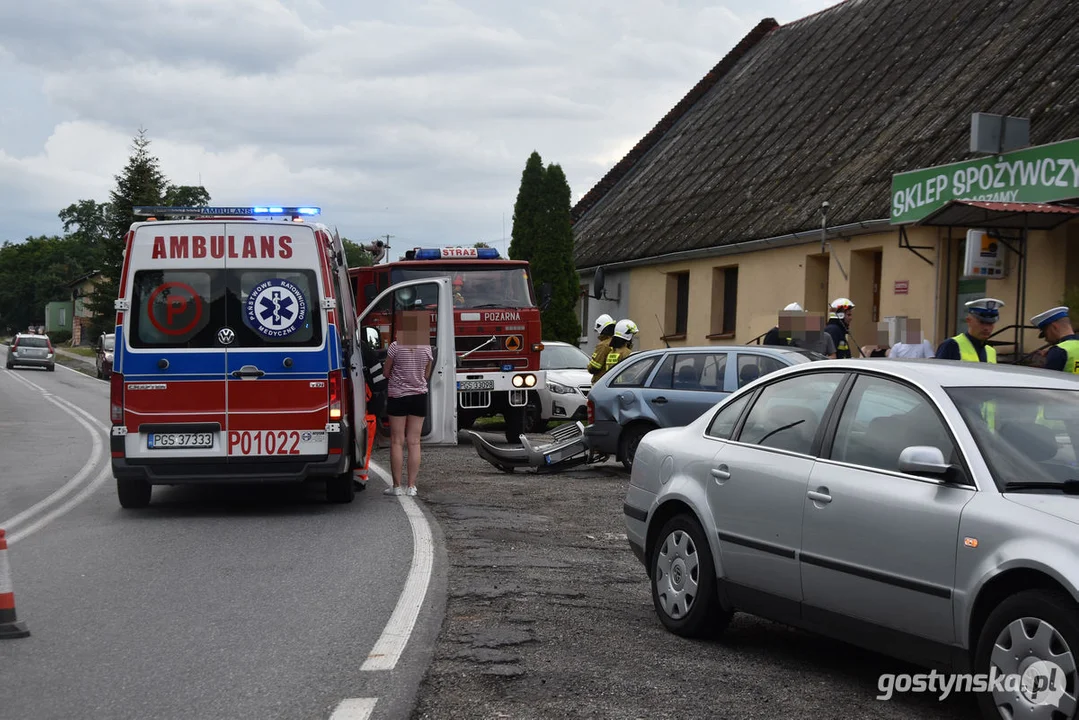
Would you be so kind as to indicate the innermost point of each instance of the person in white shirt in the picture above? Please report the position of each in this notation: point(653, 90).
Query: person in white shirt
point(912, 343)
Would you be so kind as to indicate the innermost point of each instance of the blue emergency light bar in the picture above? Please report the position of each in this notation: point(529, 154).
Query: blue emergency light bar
point(456, 254)
point(226, 211)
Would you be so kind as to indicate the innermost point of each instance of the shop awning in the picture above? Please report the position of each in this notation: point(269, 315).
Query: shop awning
point(979, 214)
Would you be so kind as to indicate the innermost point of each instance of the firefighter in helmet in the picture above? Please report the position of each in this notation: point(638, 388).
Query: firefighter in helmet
point(374, 385)
point(621, 343)
point(458, 297)
point(839, 325)
point(604, 329)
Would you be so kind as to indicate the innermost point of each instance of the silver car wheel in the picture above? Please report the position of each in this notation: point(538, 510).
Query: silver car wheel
point(677, 574)
point(1023, 648)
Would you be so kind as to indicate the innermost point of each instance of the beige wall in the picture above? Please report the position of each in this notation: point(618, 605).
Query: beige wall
point(769, 279)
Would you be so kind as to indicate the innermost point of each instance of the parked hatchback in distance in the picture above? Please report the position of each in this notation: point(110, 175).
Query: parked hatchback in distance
point(31, 351)
point(672, 387)
point(924, 509)
point(568, 382)
point(105, 347)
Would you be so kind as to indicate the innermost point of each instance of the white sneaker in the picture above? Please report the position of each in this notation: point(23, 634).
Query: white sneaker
point(393, 491)
point(412, 491)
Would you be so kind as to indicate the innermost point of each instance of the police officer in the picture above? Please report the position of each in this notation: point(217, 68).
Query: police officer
point(839, 325)
point(1056, 327)
point(972, 345)
point(621, 344)
point(773, 336)
point(604, 332)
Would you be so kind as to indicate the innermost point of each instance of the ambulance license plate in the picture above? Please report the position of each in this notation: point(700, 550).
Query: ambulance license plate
point(170, 441)
point(475, 384)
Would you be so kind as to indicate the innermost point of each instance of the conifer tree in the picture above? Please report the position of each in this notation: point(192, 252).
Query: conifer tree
point(140, 183)
point(552, 259)
point(528, 210)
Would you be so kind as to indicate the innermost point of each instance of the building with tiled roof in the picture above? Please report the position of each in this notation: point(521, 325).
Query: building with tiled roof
point(713, 221)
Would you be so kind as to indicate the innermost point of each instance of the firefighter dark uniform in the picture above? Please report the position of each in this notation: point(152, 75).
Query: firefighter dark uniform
point(374, 386)
point(772, 337)
point(1064, 355)
point(837, 329)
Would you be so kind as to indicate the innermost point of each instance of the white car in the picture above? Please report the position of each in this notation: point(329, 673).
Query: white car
point(568, 381)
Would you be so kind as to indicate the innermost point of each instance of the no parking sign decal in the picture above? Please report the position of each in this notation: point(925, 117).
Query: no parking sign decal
point(276, 308)
point(174, 308)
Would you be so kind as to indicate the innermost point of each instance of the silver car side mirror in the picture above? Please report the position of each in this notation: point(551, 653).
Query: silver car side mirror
point(923, 459)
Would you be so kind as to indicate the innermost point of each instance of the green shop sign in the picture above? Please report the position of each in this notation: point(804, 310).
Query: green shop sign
point(1044, 173)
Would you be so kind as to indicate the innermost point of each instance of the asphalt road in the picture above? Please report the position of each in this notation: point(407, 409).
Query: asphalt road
point(233, 602)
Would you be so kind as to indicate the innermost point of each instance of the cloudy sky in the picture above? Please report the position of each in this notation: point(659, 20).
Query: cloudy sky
point(412, 118)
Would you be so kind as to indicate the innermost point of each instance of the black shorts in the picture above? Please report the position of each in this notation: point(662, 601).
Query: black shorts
point(415, 405)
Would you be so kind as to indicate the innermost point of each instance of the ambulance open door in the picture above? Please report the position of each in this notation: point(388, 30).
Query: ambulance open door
point(433, 298)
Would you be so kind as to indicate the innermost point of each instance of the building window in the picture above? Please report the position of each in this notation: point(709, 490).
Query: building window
point(677, 304)
point(724, 301)
point(63, 317)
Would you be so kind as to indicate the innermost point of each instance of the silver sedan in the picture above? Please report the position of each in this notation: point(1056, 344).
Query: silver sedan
point(924, 509)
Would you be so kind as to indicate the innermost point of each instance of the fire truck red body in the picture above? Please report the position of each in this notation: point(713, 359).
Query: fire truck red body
point(496, 326)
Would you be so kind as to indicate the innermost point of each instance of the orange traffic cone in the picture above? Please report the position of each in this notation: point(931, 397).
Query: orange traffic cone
point(10, 627)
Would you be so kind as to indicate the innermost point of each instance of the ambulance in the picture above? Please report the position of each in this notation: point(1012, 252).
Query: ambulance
point(237, 356)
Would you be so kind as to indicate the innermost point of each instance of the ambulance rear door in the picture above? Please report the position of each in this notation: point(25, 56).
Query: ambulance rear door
point(281, 348)
point(171, 362)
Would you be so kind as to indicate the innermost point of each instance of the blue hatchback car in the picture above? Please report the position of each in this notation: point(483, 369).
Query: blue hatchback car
point(672, 387)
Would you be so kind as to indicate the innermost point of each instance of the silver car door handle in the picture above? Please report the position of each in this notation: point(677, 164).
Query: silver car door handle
point(721, 473)
point(819, 496)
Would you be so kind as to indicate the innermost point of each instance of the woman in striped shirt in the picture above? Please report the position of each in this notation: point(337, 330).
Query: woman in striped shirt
point(408, 365)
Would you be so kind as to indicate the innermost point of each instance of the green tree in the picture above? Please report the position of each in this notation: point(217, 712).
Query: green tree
point(552, 259)
point(355, 255)
point(528, 210)
point(85, 222)
point(186, 196)
point(36, 272)
point(481, 244)
point(140, 183)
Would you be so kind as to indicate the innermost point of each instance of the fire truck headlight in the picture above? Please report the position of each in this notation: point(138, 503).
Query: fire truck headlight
point(518, 380)
point(530, 380)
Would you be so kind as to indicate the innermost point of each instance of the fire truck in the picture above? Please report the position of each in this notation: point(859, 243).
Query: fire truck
point(496, 326)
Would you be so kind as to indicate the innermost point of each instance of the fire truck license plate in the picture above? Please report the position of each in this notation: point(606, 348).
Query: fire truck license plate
point(277, 442)
point(475, 384)
point(169, 441)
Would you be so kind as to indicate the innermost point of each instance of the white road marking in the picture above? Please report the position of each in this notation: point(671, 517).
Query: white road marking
point(354, 709)
point(97, 453)
point(387, 651)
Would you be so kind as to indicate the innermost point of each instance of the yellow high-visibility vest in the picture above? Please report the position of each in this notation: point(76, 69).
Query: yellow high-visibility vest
point(968, 353)
point(1072, 348)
